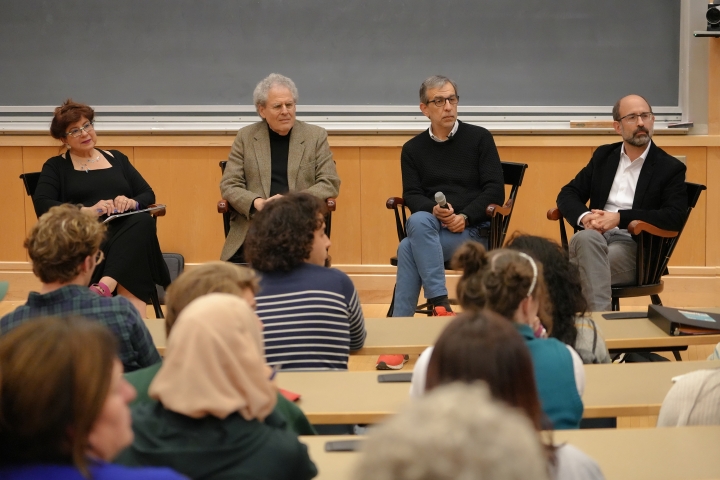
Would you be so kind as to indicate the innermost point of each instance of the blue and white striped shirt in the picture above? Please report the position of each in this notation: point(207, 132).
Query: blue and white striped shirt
point(312, 318)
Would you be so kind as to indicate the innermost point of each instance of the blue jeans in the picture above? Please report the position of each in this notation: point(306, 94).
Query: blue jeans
point(421, 259)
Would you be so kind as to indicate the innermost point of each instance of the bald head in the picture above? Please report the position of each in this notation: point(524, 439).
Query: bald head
point(628, 105)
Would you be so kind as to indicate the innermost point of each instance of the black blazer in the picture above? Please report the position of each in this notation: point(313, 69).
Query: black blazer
point(660, 195)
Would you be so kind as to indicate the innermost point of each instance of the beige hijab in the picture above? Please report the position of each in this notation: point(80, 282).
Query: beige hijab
point(214, 362)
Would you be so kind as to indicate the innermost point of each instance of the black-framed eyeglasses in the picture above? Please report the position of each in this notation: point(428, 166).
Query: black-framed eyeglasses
point(76, 132)
point(440, 101)
point(99, 257)
point(632, 118)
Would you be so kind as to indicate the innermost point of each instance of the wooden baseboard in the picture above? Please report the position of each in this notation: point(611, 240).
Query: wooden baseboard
point(684, 286)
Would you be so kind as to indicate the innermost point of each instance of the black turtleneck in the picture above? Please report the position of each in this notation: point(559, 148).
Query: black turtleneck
point(279, 147)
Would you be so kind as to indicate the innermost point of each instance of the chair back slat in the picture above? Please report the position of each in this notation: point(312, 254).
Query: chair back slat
point(513, 174)
point(30, 180)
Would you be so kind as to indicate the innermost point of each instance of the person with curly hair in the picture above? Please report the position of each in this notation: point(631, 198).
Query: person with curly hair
point(312, 315)
point(64, 247)
point(569, 306)
point(511, 284)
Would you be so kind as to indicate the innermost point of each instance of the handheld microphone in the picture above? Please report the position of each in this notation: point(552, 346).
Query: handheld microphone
point(440, 199)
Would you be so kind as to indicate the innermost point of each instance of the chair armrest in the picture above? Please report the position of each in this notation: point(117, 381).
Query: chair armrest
point(638, 226)
point(394, 202)
point(331, 204)
point(554, 214)
point(494, 209)
point(223, 206)
point(157, 213)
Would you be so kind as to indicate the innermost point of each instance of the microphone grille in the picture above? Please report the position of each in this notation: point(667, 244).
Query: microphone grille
point(439, 197)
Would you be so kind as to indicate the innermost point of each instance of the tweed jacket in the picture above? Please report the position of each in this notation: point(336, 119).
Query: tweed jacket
point(248, 173)
point(660, 196)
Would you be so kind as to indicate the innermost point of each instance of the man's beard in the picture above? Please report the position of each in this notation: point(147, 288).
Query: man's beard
point(639, 141)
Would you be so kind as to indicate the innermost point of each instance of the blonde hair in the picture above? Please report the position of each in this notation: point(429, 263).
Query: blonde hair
point(211, 277)
point(454, 432)
point(499, 280)
point(60, 242)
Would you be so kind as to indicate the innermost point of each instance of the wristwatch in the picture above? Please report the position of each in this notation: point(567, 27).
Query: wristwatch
point(466, 218)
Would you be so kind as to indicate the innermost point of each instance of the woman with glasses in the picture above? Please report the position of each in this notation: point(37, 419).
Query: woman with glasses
point(103, 183)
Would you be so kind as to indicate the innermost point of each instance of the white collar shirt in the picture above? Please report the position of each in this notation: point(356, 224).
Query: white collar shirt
point(450, 135)
point(622, 192)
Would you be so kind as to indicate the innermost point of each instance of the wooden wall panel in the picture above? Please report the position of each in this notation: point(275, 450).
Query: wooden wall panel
point(712, 197)
point(690, 249)
point(380, 179)
point(549, 169)
point(187, 180)
point(346, 234)
point(12, 198)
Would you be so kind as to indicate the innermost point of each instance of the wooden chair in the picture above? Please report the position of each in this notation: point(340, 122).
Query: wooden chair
point(513, 174)
point(224, 207)
point(654, 248)
point(30, 180)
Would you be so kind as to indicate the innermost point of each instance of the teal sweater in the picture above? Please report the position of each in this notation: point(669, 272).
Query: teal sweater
point(555, 380)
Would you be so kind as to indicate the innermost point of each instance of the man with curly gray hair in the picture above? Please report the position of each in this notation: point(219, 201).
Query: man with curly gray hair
point(456, 431)
point(272, 157)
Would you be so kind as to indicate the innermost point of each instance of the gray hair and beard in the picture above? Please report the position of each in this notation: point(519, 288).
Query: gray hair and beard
point(638, 137)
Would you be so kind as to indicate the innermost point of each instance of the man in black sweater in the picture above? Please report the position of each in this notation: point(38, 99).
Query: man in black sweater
point(624, 181)
point(461, 161)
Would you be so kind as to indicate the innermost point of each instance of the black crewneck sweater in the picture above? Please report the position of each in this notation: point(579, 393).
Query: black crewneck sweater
point(466, 168)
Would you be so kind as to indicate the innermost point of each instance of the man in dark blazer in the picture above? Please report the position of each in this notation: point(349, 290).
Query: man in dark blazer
point(272, 157)
point(624, 181)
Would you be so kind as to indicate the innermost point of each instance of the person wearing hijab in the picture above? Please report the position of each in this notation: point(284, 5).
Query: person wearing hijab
point(214, 398)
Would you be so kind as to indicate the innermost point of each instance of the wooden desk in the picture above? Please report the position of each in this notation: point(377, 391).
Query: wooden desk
point(412, 335)
point(688, 453)
point(357, 397)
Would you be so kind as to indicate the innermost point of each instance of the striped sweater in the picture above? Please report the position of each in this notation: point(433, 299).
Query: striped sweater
point(312, 318)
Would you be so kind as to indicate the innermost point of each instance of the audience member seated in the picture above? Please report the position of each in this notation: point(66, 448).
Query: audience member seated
point(570, 324)
point(455, 432)
point(213, 277)
point(485, 346)
point(694, 399)
point(511, 284)
point(64, 411)
point(104, 182)
point(214, 417)
point(312, 314)
point(64, 247)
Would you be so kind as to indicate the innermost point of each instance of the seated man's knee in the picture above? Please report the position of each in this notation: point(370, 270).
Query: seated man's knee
point(587, 238)
point(420, 221)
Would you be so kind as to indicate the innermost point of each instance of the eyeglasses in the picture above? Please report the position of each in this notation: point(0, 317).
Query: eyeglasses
point(440, 101)
point(632, 118)
point(76, 132)
point(278, 107)
point(99, 257)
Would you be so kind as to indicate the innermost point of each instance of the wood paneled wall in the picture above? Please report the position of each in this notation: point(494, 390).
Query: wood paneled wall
point(185, 176)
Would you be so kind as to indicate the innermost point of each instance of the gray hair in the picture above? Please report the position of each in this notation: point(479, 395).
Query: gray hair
point(455, 431)
point(436, 81)
point(260, 93)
